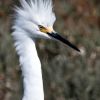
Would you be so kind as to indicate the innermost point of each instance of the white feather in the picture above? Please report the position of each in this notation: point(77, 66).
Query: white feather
point(31, 14)
point(37, 12)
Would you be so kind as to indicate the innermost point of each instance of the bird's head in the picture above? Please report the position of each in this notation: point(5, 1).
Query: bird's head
point(35, 18)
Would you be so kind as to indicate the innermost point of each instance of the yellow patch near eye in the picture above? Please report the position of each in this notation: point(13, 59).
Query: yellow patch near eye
point(50, 29)
point(43, 30)
point(46, 29)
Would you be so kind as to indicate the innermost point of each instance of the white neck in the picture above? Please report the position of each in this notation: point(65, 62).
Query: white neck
point(31, 70)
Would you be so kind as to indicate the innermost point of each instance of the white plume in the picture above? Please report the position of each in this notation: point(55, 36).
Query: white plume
point(40, 12)
point(31, 14)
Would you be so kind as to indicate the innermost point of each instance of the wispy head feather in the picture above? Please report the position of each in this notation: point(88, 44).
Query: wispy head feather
point(38, 11)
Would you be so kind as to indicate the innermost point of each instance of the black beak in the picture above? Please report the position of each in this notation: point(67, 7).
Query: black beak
point(65, 41)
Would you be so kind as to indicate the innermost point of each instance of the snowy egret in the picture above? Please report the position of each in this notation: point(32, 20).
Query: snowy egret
point(34, 19)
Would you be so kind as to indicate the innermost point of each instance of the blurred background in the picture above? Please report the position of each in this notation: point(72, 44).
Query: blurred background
point(67, 75)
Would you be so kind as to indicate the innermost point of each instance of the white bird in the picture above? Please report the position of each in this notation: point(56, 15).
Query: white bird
point(34, 19)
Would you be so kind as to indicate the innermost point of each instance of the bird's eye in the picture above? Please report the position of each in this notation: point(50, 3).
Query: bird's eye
point(45, 29)
point(42, 29)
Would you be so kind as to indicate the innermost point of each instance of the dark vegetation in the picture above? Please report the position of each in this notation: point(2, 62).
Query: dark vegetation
point(67, 75)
